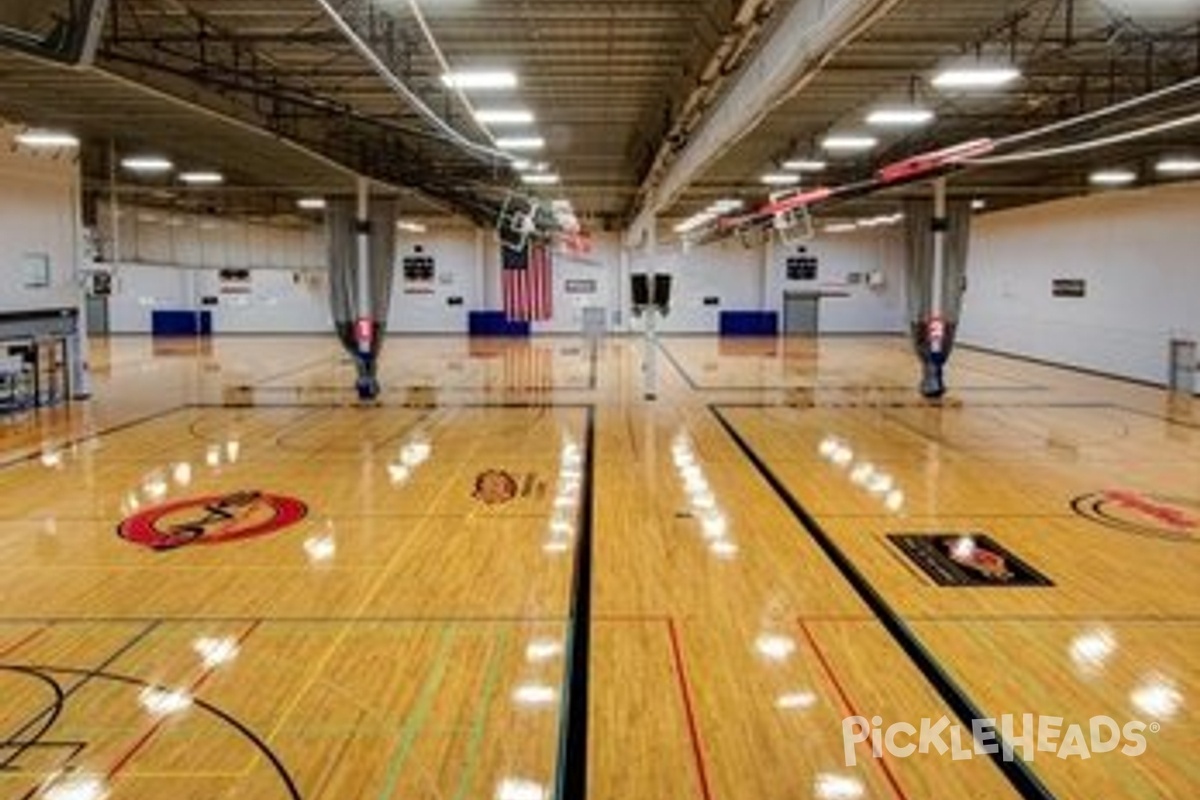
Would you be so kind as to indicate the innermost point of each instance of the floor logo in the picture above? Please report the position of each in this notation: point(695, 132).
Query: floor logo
point(212, 520)
point(1173, 518)
point(497, 486)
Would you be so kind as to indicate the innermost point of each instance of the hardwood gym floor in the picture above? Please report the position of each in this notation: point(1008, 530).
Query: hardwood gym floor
point(312, 599)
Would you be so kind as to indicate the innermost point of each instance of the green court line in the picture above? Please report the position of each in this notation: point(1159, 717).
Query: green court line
point(414, 724)
point(479, 724)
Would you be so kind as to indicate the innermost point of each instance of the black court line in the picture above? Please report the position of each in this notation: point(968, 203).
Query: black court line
point(829, 387)
point(20, 741)
point(305, 367)
point(1016, 771)
point(244, 730)
point(297, 620)
point(572, 783)
point(124, 426)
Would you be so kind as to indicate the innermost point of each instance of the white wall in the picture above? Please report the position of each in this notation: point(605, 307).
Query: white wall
point(172, 262)
point(867, 309)
point(38, 215)
point(1139, 252)
point(457, 257)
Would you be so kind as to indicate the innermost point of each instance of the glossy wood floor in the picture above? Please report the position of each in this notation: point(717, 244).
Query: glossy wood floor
point(723, 554)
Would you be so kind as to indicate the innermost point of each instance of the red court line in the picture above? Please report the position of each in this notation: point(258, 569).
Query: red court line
point(137, 747)
point(15, 646)
point(848, 707)
point(685, 692)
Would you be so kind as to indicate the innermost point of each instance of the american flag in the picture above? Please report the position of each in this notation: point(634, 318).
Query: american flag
point(528, 292)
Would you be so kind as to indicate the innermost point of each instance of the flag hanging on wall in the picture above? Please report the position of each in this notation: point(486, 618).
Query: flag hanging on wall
point(525, 278)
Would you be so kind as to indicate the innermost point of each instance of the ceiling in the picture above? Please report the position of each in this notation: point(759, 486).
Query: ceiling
point(278, 96)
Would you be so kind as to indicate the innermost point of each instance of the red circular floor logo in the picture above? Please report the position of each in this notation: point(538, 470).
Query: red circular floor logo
point(1174, 518)
point(217, 519)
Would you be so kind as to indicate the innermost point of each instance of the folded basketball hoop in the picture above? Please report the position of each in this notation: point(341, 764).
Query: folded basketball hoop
point(793, 221)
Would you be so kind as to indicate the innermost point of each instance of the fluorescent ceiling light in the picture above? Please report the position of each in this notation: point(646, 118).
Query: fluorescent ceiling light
point(411, 227)
point(521, 143)
point(311, 203)
point(480, 80)
point(541, 179)
point(503, 116)
point(840, 227)
point(695, 221)
point(727, 206)
point(804, 165)
point(979, 204)
point(1178, 166)
point(849, 143)
point(522, 164)
point(1113, 177)
point(41, 138)
point(900, 116)
point(780, 179)
point(202, 178)
point(975, 77)
point(147, 164)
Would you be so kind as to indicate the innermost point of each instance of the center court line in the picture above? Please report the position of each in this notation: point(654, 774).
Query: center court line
point(848, 707)
point(1018, 773)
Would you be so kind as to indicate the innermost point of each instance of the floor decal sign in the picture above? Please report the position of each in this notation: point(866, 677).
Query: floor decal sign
point(966, 560)
point(212, 520)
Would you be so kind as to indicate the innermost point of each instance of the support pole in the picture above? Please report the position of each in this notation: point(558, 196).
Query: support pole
point(937, 301)
point(366, 324)
point(651, 354)
point(363, 228)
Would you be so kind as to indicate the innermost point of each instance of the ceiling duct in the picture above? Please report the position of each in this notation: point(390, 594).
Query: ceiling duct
point(805, 40)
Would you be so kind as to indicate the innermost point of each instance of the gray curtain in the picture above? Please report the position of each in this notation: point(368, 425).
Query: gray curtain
point(919, 222)
point(342, 236)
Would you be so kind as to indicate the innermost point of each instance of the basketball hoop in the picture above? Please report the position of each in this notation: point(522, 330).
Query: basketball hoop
point(793, 225)
point(517, 222)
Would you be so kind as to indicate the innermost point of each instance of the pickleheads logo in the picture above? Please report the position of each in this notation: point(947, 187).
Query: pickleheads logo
point(1030, 734)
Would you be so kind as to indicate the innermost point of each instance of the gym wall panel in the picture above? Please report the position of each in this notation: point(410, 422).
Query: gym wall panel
point(38, 215)
point(1136, 249)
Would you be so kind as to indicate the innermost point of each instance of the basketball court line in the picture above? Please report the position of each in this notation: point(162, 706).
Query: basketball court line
point(96, 435)
point(849, 708)
point(590, 384)
point(13, 741)
point(573, 756)
point(1022, 777)
point(689, 708)
point(140, 744)
point(856, 387)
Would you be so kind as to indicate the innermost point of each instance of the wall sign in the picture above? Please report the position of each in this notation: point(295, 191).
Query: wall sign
point(581, 286)
point(234, 281)
point(802, 266)
point(1069, 287)
point(36, 270)
point(420, 271)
